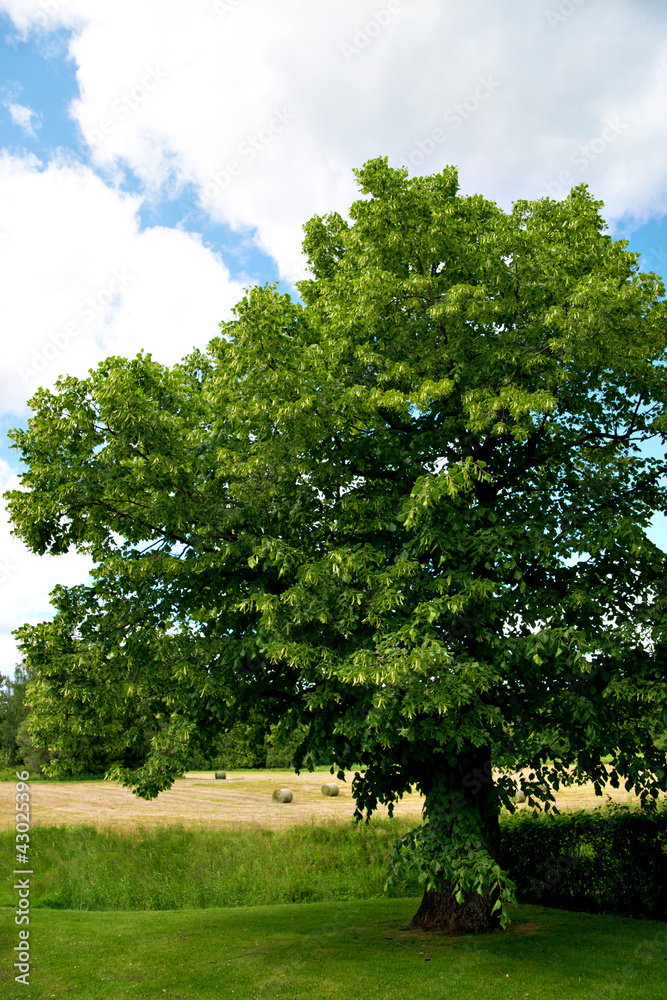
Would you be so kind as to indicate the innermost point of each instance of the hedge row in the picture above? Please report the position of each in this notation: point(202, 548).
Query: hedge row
point(610, 860)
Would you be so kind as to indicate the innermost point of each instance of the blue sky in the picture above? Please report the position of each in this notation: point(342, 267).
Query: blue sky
point(37, 74)
point(158, 158)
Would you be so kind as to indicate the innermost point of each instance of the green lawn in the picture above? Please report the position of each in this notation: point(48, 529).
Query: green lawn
point(349, 950)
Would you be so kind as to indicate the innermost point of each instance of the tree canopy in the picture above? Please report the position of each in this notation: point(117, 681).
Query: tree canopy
point(407, 514)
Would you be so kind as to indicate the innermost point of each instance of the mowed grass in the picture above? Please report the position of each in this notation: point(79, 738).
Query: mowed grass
point(169, 868)
point(356, 950)
point(180, 912)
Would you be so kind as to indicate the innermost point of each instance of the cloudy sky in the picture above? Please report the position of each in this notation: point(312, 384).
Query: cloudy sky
point(156, 157)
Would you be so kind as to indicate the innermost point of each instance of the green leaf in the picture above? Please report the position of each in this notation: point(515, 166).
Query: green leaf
point(396, 519)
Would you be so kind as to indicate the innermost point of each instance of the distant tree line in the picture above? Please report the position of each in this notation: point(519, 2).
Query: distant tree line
point(246, 745)
point(15, 746)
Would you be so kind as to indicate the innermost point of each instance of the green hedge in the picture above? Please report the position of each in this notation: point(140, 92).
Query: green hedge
point(609, 860)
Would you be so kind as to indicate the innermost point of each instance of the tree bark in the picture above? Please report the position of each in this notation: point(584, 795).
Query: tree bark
point(439, 911)
point(471, 786)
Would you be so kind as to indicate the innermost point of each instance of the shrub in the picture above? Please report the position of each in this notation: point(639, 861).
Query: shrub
point(608, 860)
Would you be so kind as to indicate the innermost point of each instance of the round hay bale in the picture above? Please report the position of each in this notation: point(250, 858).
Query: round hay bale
point(221, 774)
point(282, 795)
point(331, 788)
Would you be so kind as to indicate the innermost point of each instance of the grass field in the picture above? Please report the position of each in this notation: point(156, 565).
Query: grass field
point(336, 951)
point(244, 797)
point(166, 900)
point(170, 868)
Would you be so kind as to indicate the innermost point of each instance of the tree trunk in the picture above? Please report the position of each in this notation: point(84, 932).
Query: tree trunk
point(439, 911)
point(469, 787)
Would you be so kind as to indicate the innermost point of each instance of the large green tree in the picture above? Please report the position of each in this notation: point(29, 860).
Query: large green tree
point(407, 514)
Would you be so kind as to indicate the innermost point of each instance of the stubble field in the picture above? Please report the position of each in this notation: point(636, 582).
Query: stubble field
point(244, 797)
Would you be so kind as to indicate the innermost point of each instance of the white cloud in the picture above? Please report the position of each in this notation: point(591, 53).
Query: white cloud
point(23, 116)
point(81, 281)
point(26, 580)
point(370, 78)
point(266, 107)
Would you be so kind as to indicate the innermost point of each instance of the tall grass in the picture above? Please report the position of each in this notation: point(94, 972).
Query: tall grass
point(168, 868)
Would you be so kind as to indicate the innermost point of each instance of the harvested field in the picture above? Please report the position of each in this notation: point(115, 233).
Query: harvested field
point(244, 798)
